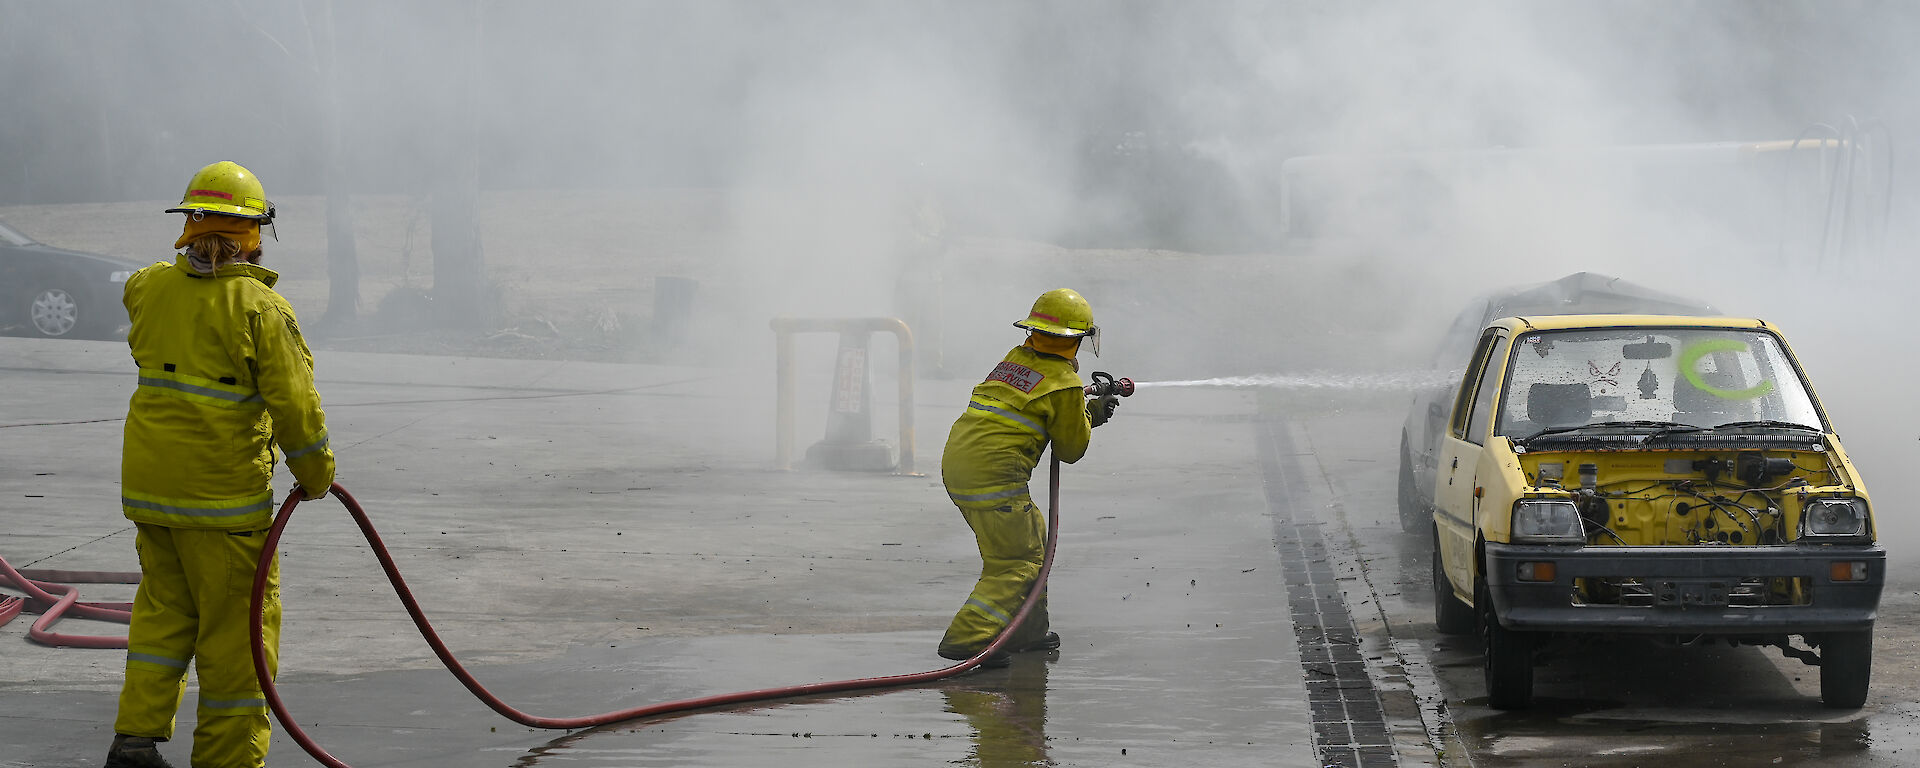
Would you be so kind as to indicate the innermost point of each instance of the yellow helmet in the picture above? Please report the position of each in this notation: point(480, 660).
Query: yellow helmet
point(1060, 312)
point(227, 189)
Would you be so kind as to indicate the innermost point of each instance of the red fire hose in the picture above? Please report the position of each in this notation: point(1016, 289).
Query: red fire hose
point(54, 601)
point(453, 665)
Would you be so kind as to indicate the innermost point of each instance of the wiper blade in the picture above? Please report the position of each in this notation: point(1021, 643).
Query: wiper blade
point(1661, 428)
point(1768, 423)
point(1673, 429)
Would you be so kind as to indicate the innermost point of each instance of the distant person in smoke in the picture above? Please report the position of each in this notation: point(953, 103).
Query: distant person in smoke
point(224, 376)
point(920, 250)
point(1033, 397)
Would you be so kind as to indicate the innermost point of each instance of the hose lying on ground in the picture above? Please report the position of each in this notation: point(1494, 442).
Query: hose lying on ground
point(585, 721)
point(54, 600)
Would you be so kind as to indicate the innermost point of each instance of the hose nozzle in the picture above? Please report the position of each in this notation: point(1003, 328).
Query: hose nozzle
point(1105, 385)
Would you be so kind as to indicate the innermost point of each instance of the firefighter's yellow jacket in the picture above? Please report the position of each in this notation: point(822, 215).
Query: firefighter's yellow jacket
point(224, 376)
point(1030, 399)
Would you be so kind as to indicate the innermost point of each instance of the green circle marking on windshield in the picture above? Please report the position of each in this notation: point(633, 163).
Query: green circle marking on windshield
point(1689, 367)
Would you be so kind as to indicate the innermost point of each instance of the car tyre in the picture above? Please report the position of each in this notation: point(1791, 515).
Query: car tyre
point(1509, 658)
point(1846, 663)
point(1413, 517)
point(1450, 616)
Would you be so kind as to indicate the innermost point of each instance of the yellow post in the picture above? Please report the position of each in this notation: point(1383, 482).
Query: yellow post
point(785, 327)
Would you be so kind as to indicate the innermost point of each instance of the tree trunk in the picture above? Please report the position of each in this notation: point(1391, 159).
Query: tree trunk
point(459, 264)
point(343, 259)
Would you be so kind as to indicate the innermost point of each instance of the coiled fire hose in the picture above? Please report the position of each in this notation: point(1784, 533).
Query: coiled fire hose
point(49, 595)
point(586, 721)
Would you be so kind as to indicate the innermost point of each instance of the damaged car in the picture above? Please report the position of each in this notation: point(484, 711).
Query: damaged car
point(1669, 477)
point(1580, 293)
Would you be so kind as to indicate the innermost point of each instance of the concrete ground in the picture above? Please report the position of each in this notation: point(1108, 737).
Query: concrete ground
point(592, 537)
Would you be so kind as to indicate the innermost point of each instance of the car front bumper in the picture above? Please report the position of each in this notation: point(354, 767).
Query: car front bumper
point(1682, 582)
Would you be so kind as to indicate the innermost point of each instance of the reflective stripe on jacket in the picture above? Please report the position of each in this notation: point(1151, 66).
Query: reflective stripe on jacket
point(1029, 400)
point(224, 375)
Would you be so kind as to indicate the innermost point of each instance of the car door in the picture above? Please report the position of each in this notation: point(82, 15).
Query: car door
point(1458, 506)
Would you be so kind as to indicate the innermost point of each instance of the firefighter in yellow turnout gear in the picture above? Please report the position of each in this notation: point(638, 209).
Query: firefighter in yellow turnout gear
point(1033, 397)
point(224, 377)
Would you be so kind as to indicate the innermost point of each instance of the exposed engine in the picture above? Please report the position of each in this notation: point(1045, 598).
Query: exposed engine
point(1689, 498)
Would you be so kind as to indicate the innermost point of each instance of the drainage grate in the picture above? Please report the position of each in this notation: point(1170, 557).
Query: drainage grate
point(1349, 726)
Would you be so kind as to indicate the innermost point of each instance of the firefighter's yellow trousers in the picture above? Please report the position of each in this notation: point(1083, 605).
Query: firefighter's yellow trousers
point(192, 606)
point(1011, 534)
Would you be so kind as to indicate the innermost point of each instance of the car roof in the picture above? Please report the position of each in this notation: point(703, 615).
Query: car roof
point(1580, 292)
point(1564, 322)
point(1590, 293)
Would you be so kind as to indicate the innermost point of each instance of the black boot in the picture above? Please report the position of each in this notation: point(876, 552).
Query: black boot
point(135, 752)
point(1050, 642)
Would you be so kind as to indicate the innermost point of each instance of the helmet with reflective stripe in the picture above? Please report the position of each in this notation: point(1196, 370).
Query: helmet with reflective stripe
point(228, 189)
point(1060, 312)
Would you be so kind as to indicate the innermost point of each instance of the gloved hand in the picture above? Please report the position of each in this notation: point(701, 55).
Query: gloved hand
point(1101, 409)
point(306, 495)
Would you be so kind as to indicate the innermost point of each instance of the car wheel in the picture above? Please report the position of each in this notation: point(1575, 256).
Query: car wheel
point(1846, 662)
point(1412, 508)
point(56, 310)
point(1450, 616)
point(1509, 658)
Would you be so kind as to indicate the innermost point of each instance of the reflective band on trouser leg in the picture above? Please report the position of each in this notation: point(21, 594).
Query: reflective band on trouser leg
point(234, 728)
point(160, 640)
point(1012, 540)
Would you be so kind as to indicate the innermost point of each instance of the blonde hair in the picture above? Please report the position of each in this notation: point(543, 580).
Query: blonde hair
point(216, 249)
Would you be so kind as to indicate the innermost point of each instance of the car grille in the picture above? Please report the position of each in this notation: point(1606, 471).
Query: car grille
point(1657, 592)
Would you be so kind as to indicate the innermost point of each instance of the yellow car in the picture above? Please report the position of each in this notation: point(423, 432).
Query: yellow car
point(1671, 477)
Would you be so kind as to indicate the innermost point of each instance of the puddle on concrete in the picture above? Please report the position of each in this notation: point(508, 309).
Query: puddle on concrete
point(1612, 704)
point(1613, 734)
point(1043, 710)
point(1609, 745)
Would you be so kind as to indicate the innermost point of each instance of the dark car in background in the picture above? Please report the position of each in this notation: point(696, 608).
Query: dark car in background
point(57, 293)
point(1581, 293)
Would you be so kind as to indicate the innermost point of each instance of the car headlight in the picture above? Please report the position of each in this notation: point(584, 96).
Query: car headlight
point(120, 276)
point(1834, 518)
point(1547, 521)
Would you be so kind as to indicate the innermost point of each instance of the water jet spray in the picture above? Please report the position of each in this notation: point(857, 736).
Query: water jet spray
point(1374, 382)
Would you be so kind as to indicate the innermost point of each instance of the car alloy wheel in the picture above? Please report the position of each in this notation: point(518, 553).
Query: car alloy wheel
point(55, 312)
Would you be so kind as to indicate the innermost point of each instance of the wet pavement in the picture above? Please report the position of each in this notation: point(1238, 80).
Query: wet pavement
point(592, 537)
point(1232, 587)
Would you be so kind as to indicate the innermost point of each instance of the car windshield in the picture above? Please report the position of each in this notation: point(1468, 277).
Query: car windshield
point(1691, 377)
point(10, 237)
